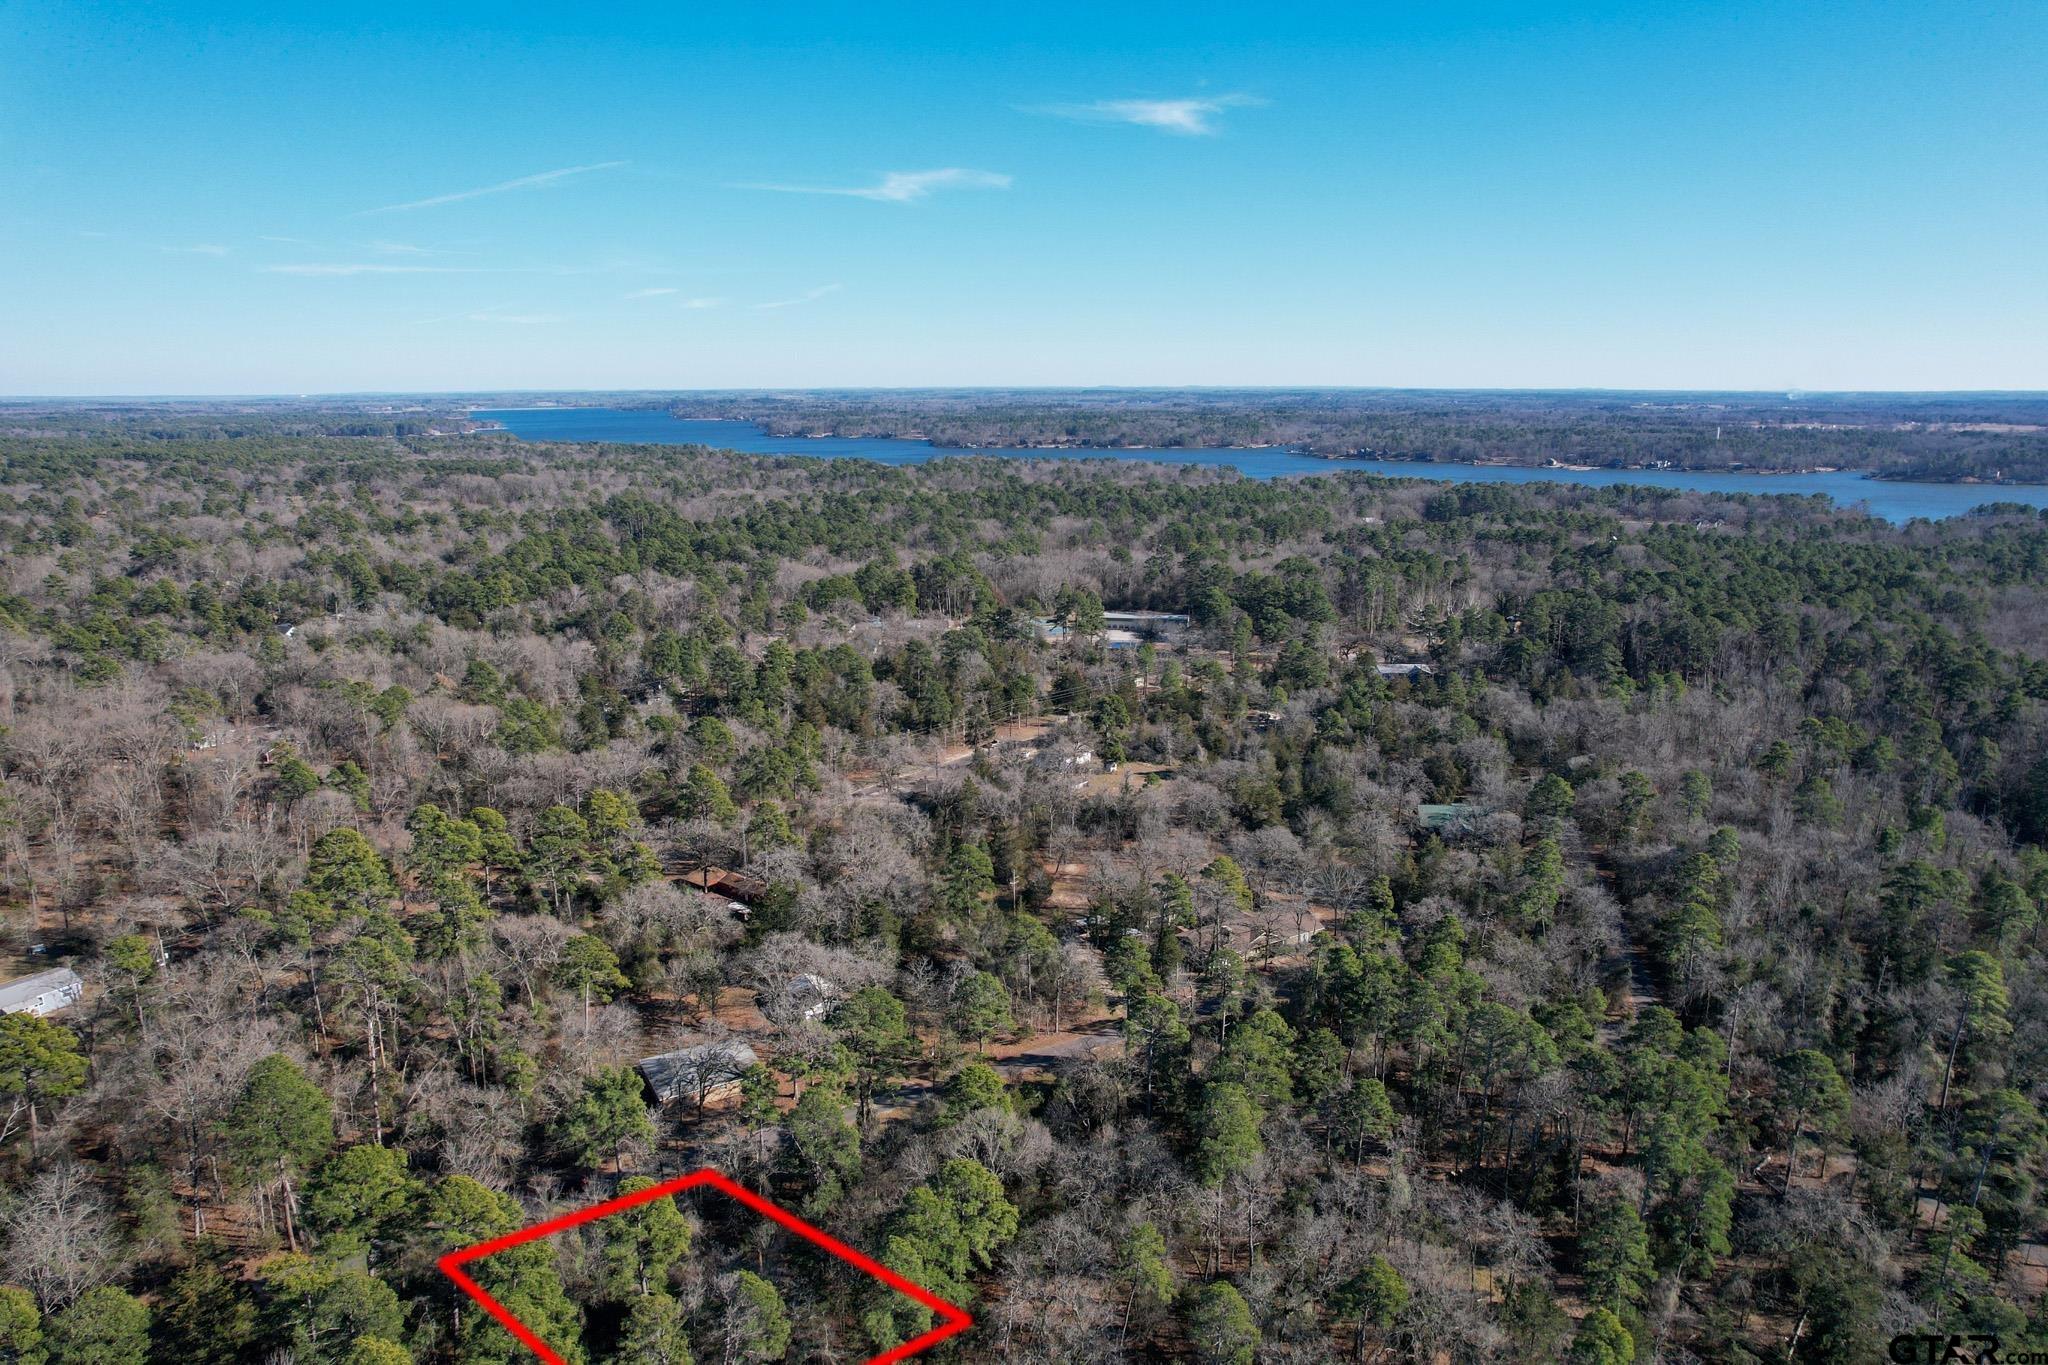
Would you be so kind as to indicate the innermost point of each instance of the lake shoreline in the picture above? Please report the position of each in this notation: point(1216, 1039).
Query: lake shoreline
point(1893, 500)
point(1353, 457)
point(780, 431)
point(1760, 471)
point(1335, 458)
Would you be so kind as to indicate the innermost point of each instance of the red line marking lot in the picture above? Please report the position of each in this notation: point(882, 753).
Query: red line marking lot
point(954, 1320)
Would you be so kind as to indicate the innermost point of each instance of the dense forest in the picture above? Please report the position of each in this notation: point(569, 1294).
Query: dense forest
point(1503, 924)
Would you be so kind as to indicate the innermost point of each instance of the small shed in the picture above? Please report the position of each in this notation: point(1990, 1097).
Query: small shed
point(705, 1073)
point(42, 993)
point(734, 886)
point(814, 995)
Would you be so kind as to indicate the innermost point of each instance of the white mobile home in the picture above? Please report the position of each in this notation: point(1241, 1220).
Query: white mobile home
point(43, 993)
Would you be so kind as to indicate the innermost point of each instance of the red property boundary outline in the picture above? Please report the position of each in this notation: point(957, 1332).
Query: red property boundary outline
point(956, 1320)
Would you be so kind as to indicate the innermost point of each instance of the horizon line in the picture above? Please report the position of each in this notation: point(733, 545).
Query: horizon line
point(301, 395)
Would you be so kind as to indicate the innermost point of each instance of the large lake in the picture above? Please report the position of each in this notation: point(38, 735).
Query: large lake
point(1884, 498)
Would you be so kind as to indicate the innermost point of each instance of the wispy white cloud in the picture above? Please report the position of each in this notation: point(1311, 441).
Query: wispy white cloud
point(367, 268)
point(454, 317)
point(540, 180)
point(900, 187)
point(664, 291)
point(1191, 117)
point(416, 268)
point(808, 296)
point(501, 313)
point(201, 249)
point(399, 249)
point(288, 241)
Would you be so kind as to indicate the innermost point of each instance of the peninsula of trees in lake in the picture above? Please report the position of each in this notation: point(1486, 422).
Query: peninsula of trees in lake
point(1179, 918)
point(1927, 436)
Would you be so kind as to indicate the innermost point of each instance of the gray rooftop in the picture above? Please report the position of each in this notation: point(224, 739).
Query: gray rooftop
point(23, 994)
point(680, 1074)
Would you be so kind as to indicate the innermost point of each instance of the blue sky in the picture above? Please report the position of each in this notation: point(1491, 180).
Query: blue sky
point(225, 199)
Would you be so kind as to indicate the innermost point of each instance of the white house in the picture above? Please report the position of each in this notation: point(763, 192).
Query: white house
point(43, 993)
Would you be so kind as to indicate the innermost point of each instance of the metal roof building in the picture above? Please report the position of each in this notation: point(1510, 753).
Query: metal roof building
point(1450, 817)
point(704, 1072)
point(43, 993)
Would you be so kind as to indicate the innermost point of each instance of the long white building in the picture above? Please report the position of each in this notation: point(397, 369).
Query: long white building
point(42, 993)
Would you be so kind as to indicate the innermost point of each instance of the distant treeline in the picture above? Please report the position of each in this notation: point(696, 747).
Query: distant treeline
point(1990, 437)
point(226, 419)
point(1932, 436)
